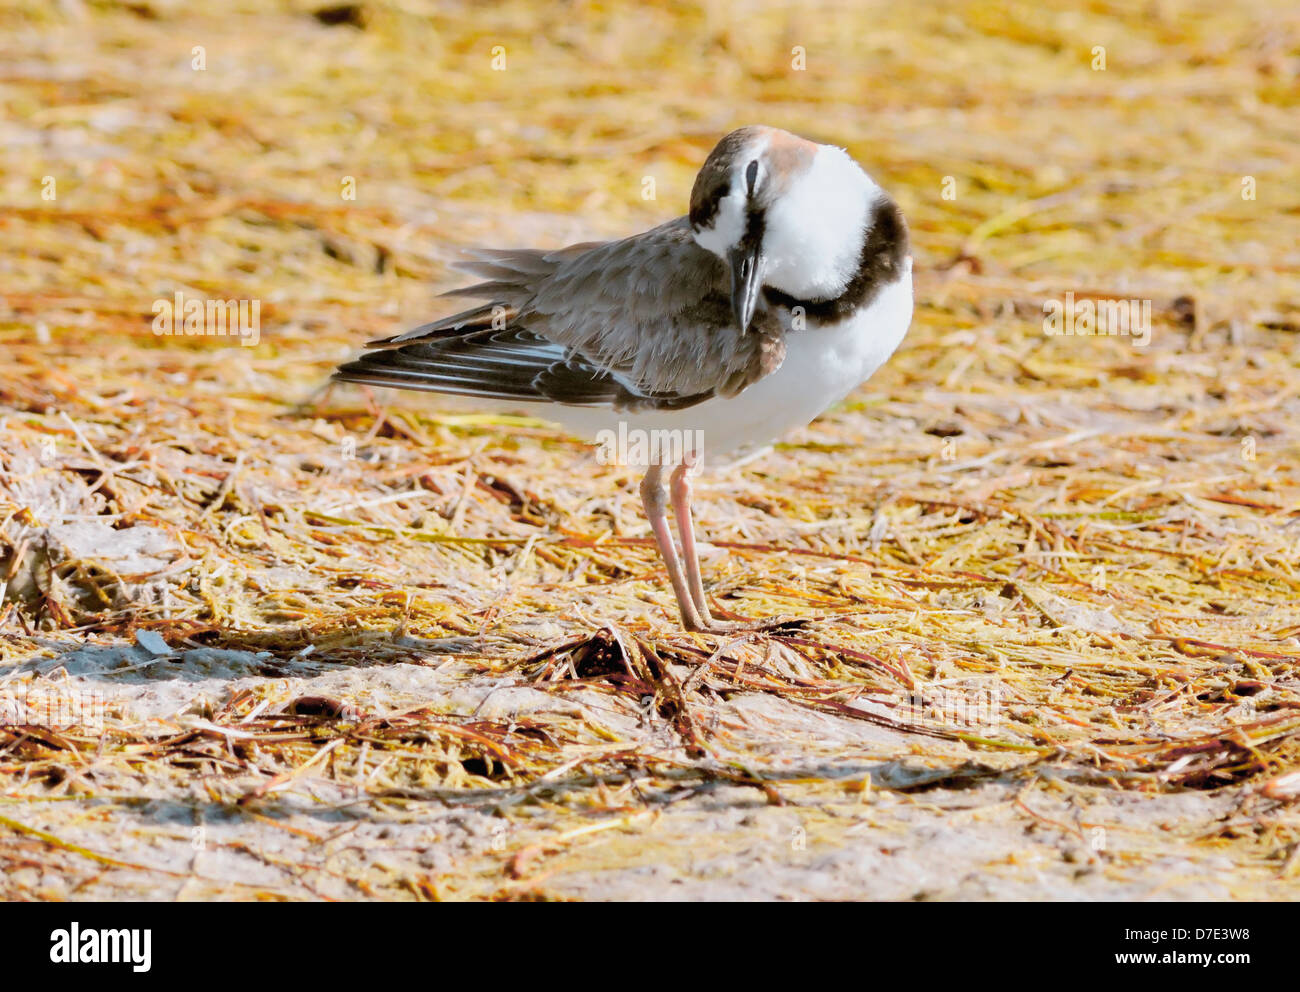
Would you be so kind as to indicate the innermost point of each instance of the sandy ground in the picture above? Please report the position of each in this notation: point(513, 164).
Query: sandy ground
point(905, 818)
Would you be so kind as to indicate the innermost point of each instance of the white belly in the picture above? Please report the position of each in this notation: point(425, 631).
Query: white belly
point(822, 366)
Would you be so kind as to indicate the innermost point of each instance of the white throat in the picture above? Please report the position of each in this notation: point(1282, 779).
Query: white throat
point(814, 231)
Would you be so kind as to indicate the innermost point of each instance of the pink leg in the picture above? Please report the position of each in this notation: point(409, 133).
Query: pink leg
point(681, 496)
point(653, 499)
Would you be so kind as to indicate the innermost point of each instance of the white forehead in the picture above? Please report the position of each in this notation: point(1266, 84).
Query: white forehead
point(728, 225)
point(729, 220)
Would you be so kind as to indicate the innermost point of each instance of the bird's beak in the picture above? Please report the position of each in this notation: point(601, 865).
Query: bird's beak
point(746, 280)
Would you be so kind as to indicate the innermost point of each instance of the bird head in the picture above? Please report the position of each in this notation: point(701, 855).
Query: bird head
point(781, 211)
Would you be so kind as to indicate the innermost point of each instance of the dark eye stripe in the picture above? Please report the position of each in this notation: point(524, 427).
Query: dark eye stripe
point(751, 176)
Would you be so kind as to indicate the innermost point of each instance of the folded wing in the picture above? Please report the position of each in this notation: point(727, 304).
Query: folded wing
point(641, 322)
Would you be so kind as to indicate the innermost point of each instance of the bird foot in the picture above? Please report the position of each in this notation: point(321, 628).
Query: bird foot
point(744, 625)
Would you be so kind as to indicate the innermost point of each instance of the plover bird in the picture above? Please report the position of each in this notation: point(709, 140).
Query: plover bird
point(787, 285)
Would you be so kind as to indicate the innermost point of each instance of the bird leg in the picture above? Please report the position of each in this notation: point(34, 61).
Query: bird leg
point(687, 584)
point(653, 498)
point(680, 483)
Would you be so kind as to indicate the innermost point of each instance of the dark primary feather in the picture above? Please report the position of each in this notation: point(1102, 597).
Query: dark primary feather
point(641, 322)
point(508, 364)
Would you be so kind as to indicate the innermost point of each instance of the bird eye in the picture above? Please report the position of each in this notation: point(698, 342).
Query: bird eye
point(751, 175)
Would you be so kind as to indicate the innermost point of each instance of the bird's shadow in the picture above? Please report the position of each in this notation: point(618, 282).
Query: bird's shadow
point(241, 654)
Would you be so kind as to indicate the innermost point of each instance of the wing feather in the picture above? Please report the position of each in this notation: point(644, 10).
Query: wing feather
point(641, 322)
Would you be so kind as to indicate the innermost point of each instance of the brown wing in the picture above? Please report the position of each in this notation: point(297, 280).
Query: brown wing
point(645, 321)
